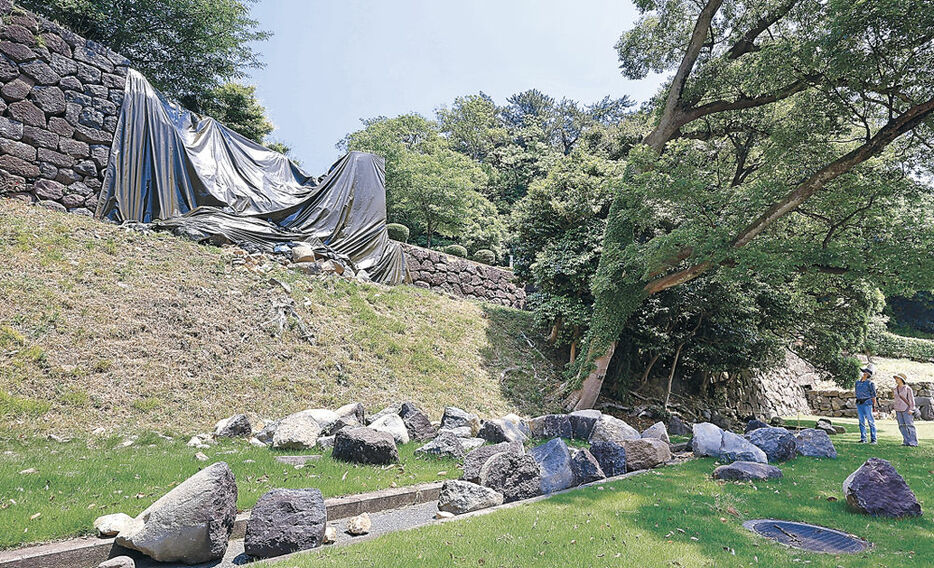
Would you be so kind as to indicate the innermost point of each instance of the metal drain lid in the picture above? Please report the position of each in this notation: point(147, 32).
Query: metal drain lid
point(808, 537)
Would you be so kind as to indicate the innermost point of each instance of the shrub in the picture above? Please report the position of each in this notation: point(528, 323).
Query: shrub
point(456, 250)
point(886, 344)
point(486, 256)
point(398, 232)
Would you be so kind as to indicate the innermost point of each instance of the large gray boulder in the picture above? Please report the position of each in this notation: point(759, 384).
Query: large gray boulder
point(454, 417)
point(747, 471)
point(611, 457)
point(754, 424)
point(657, 431)
point(586, 468)
point(297, 431)
point(354, 413)
point(445, 445)
point(611, 429)
point(778, 443)
point(877, 489)
point(551, 426)
point(365, 445)
point(646, 453)
point(736, 448)
point(237, 426)
point(324, 417)
point(392, 424)
point(706, 440)
point(515, 476)
point(815, 443)
point(501, 430)
point(554, 458)
point(190, 524)
point(582, 422)
point(419, 426)
point(461, 497)
point(285, 521)
point(391, 409)
point(677, 426)
point(475, 459)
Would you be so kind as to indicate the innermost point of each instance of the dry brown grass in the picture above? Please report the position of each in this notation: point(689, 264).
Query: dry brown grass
point(102, 326)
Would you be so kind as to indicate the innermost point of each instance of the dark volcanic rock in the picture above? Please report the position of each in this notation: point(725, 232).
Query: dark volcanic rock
point(611, 457)
point(747, 471)
point(515, 476)
point(234, 427)
point(778, 443)
point(365, 445)
point(285, 521)
point(551, 426)
point(582, 422)
point(586, 468)
point(877, 489)
point(815, 444)
point(755, 424)
point(445, 444)
point(555, 460)
point(418, 425)
point(474, 460)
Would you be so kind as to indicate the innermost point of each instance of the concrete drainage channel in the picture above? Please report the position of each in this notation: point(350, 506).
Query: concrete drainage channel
point(391, 510)
point(812, 538)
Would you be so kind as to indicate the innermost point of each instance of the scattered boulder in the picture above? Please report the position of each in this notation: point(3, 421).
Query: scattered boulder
point(461, 432)
point(190, 524)
point(501, 430)
point(324, 417)
point(474, 460)
point(407, 408)
point(359, 525)
point(354, 411)
point(877, 489)
point(268, 432)
point(365, 445)
point(815, 444)
point(515, 476)
point(330, 535)
point(611, 457)
point(925, 406)
point(554, 458)
point(755, 424)
point(747, 471)
point(657, 431)
point(419, 426)
point(582, 422)
point(118, 562)
point(391, 409)
point(646, 453)
point(586, 468)
point(778, 443)
point(454, 417)
point(285, 521)
point(611, 429)
point(461, 497)
point(297, 431)
point(551, 426)
point(111, 525)
point(471, 443)
point(392, 424)
point(706, 440)
point(736, 448)
point(237, 426)
point(677, 427)
point(445, 444)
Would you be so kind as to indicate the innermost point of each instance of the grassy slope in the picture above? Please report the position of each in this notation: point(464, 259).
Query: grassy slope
point(76, 482)
point(101, 326)
point(674, 516)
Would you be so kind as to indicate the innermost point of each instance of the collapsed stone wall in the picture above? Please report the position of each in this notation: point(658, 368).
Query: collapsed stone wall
point(842, 403)
point(61, 96)
point(439, 271)
point(779, 392)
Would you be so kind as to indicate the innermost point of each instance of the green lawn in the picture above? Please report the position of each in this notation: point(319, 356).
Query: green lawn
point(78, 481)
point(676, 516)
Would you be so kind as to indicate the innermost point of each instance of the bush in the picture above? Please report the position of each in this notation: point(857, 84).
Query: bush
point(398, 232)
point(886, 344)
point(456, 250)
point(486, 256)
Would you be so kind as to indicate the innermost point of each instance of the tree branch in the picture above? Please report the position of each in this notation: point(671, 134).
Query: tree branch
point(746, 43)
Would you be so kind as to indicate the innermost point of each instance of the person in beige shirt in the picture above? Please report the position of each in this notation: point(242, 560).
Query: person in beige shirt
point(904, 410)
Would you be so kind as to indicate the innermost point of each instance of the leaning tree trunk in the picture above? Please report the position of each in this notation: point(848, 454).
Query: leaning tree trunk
point(671, 375)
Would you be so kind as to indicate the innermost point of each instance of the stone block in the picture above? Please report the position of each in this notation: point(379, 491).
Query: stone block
point(18, 149)
point(17, 89)
point(27, 113)
point(40, 72)
point(16, 51)
point(62, 65)
point(18, 166)
point(49, 99)
point(56, 158)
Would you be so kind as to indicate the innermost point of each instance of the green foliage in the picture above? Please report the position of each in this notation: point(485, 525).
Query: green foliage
point(187, 48)
point(456, 250)
point(884, 343)
point(398, 232)
point(235, 106)
point(486, 256)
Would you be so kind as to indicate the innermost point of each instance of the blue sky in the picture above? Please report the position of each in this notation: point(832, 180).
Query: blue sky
point(331, 63)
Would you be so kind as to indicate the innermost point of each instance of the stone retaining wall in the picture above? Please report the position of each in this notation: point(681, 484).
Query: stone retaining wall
point(461, 277)
point(780, 392)
point(842, 403)
point(61, 96)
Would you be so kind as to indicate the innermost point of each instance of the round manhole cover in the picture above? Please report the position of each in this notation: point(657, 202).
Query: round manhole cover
point(808, 537)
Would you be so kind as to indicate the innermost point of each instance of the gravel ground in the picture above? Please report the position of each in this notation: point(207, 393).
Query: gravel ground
point(383, 522)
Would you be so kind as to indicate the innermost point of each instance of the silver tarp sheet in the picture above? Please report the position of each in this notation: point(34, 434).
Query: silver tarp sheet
point(178, 170)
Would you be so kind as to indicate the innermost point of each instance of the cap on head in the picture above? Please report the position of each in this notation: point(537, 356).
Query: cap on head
point(870, 369)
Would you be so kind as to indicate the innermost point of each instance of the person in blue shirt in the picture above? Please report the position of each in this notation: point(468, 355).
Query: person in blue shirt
point(865, 402)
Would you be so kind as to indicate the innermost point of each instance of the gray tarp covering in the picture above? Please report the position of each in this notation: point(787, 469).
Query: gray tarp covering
point(175, 169)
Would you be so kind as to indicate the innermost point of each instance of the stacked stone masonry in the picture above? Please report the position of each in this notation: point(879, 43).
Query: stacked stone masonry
point(461, 277)
point(842, 403)
point(61, 97)
point(779, 392)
